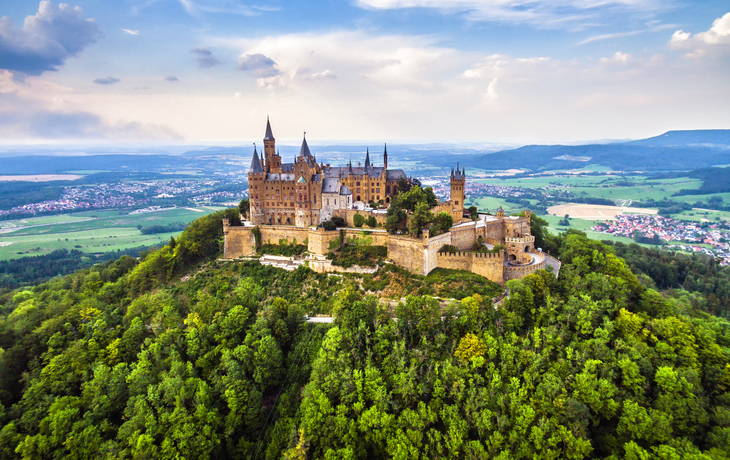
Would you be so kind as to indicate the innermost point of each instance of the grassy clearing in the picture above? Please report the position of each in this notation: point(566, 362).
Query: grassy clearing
point(106, 231)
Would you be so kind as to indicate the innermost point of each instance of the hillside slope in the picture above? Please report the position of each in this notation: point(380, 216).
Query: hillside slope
point(178, 357)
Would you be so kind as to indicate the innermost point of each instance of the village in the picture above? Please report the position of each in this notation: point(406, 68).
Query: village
point(712, 239)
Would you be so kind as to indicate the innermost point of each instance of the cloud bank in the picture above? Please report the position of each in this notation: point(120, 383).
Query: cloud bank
point(46, 40)
point(107, 81)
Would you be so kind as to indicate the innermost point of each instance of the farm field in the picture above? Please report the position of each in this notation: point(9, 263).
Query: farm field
point(91, 231)
point(612, 187)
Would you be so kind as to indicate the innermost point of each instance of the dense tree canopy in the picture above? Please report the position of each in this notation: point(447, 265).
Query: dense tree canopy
point(179, 357)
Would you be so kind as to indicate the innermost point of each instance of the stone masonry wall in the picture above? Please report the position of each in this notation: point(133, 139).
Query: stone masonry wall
point(407, 252)
point(272, 234)
point(348, 215)
point(239, 241)
point(464, 236)
point(490, 266)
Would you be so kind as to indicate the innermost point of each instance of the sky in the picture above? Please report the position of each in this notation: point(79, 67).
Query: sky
point(211, 71)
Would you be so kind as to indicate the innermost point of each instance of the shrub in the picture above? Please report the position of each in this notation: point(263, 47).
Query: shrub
point(358, 220)
point(371, 222)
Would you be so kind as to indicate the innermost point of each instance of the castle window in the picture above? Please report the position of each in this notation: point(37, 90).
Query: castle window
point(315, 199)
point(357, 183)
point(377, 190)
point(358, 190)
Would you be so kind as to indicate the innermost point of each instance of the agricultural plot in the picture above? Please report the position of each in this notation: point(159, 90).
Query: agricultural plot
point(595, 212)
point(92, 231)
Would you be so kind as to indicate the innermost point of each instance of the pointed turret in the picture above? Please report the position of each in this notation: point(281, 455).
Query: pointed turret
point(269, 135)
point(367, 160)
point(385, 157)
point(304, 151)
point(349, 167)
point(255, 163)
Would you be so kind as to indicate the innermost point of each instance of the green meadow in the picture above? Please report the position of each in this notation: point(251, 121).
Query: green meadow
point(91, 231)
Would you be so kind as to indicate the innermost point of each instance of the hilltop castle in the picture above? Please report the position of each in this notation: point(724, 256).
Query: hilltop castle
point(289, 201)
point(305, 193)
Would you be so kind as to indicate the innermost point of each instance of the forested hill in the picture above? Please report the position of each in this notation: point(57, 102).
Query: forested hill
point(674, 150)
point(179, 357)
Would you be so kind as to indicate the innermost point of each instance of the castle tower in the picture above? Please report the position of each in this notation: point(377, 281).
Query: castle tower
point(256, 178)
point(273, 160)
point(500, 213)
point(303, 216)
point(458, 183)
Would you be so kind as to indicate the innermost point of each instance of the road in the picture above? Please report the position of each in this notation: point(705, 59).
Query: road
point(320, 319)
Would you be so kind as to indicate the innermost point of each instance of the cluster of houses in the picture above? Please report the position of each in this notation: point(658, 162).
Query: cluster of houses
point(712, 239)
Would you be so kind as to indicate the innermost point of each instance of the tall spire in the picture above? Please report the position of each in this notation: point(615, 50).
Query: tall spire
point(349, 167)
point(367, 159)
point(304, 151)
point(255, 163)
point(385, 157)
point(269, 135)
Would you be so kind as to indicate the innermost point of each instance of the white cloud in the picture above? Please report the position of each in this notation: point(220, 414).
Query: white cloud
point(46, 40)
point(258, 64)
point(39, 110)
point(389, 60)
point(107, 81)
point(617, 58)
point(540, 13)
point(130, 32)
point(713, 41)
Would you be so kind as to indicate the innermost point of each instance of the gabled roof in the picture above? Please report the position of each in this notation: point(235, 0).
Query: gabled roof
point(255, 163)
point(345, 190)
point(302, 180)
point(269, 135)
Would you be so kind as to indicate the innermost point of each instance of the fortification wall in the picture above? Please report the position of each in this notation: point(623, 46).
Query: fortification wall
point(273, 234)
point(319, 240)
point(238, 242)
point(515, 273)
point(489, 266)
point(493, 232)
point(376, 237)
point(455, 260)
point(349, 214)
point(464, 237)
point(431, 247)
point(408, 253)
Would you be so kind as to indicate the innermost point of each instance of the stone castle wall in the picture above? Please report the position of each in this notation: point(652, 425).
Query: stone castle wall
point(407, 252)
point(238, 241)
point(515, 273)
point(490, 266)
point(349, 215)
point(417, 255)
point(464, 236)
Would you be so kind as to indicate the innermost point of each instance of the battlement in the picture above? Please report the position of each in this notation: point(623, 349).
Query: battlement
point(520, 240)
point(477, 255)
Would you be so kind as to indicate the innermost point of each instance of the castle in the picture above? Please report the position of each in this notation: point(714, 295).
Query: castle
point(289, 200)
point(305, 192)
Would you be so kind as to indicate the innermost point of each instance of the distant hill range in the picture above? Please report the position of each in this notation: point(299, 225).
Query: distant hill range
point(671, 151)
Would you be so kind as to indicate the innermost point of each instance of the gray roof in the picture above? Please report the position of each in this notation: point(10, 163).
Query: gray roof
point(277, 176)
point(255, 163)
point(394, 174)
point(269, 135)
point(304, 151)
point(372, 171)
point(287, 167)
point(345, 190)
point(316, 178)
point(330, 185)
